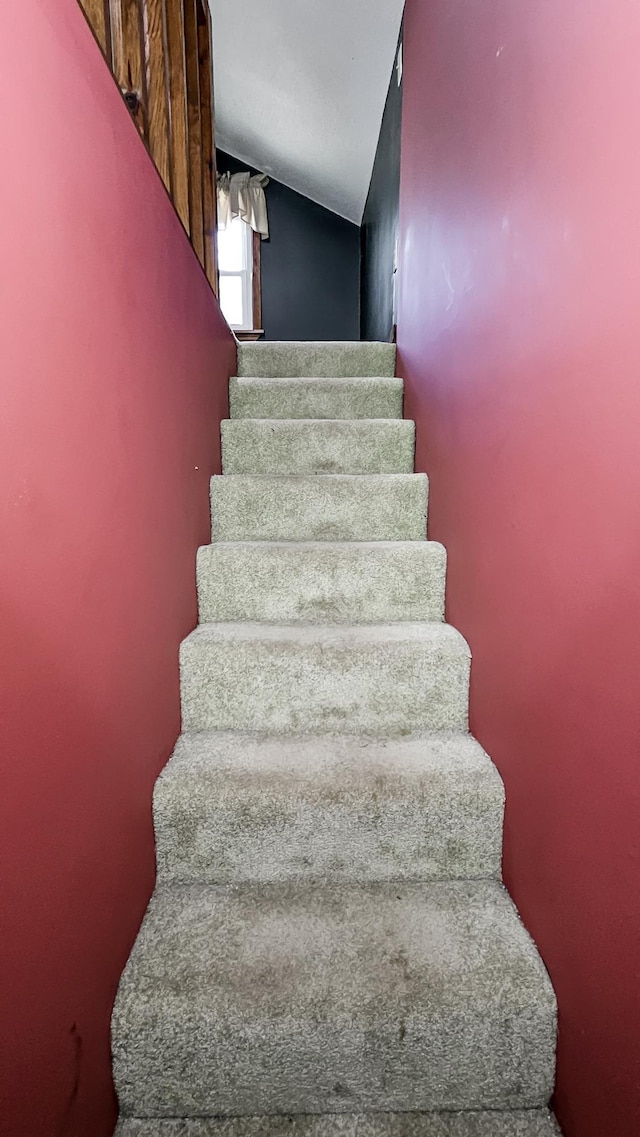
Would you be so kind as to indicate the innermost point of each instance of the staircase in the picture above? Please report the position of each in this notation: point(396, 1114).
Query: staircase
point(329, 949)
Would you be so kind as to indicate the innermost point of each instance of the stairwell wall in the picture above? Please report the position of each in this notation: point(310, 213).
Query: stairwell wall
point(519, 338)
point(114, 362)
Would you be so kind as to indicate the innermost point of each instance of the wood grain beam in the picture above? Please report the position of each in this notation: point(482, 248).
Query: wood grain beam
point(97, 13)
point(178, 108)
point(196, 213)
point(155, 52)
point(208, 146)
point(128, 58)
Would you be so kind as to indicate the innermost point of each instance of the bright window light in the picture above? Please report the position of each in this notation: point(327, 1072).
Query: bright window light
point(235, 265)
point(231, 247)
point(231, 300)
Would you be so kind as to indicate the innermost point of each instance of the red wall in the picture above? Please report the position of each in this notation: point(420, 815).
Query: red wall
point(519, 333)
point(113, 367)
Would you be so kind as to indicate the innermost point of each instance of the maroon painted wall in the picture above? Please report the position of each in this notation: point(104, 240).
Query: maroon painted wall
point(114, 362)
point(519, 335)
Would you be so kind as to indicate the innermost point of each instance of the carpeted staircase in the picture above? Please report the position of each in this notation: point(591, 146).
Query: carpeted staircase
point(329, 949)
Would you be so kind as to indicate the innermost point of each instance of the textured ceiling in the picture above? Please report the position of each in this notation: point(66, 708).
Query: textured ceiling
point(300, 90)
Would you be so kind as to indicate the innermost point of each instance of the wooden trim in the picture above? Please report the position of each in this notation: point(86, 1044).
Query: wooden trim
point(178, 109)
point(160, 53)
point(97, 13)
point(127, 55)
point(257, 280)
point(196, 212)
point(155, 50)
point(208, 151)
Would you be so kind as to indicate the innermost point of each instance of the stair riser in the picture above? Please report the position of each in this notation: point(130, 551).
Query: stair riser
point(529, 1123)
point(387, 508)
point(316, 399)
point(230, 828)
point(316, 359)
point(322, 583)
point(416, 1063)
point(269, 446)
point(266, 686)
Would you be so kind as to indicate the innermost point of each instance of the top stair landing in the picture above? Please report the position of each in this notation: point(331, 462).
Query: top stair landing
point(292, 360)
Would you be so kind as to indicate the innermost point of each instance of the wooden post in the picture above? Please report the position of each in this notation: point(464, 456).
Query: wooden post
point(195, 134)
point(158, 88)
point(161, 56)
point(127, 53)
point(97, 13)
point(178, 109)
point(208, 146)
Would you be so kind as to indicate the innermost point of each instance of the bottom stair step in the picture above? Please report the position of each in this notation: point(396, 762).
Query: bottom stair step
point(521, 1123)
point(285, 999)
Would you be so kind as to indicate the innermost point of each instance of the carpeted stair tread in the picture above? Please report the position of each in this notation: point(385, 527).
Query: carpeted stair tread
point(337, 507)
point(291, 358)
point(317, 446)
point(334, 998)
point(321, 398)
point(232, 808)
point(291, 679)
point(322, 582)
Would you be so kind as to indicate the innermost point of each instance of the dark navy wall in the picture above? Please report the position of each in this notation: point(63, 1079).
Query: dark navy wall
point(380, 224)
point(310, 267)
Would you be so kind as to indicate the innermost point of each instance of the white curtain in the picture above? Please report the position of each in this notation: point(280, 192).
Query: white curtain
point(241, 195)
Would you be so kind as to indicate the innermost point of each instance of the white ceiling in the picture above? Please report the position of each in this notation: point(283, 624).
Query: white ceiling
point(300, 88)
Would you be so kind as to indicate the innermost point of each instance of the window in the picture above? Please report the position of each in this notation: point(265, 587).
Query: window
point(235, 262)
